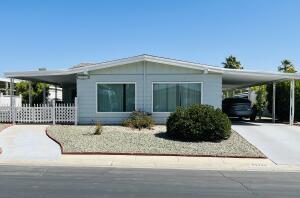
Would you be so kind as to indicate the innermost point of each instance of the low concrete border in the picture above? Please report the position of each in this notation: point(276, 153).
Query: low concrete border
point(7, 125)
point(144, 154)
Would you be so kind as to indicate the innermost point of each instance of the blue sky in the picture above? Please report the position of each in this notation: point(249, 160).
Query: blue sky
point(58, 34)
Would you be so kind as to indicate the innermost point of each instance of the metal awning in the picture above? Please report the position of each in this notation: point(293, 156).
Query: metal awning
point(57, 79)
point(245, 78)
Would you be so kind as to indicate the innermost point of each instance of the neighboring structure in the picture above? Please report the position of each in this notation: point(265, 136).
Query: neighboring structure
point(55, 92)
point(5, 85)
point(109, 91)
point(5, 100)
point(5, 93)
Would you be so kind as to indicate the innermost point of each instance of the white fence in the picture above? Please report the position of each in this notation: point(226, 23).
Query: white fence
point(50, 113)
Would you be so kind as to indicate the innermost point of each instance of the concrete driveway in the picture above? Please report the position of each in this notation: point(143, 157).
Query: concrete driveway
point(27, 142)
point(279, 142)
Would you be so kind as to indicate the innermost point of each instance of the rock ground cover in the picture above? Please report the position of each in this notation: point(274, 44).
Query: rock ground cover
point(119, 139)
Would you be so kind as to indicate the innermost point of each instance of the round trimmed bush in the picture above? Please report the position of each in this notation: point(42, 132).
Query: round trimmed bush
point(198, 123)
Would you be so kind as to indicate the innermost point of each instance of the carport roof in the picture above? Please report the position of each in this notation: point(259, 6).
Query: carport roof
point(232, 78)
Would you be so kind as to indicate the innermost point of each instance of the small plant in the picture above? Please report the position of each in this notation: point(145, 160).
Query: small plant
point(98, 129)
point(198, 123)
point(139, 120)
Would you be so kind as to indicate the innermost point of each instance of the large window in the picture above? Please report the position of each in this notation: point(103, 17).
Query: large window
point(115, 97)
point(167, 96)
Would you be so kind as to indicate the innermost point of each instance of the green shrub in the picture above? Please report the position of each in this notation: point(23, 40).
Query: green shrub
point(198, 123)
point(282, 102)
point(139, 120)
point(98, 129)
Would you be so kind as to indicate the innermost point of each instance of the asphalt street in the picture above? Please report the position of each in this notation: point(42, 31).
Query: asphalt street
point(24, 181)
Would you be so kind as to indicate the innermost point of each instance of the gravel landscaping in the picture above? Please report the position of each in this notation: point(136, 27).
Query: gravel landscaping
point(118, 139)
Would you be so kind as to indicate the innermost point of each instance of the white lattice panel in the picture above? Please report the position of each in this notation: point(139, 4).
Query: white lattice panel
point(5, 114)
point(42, 114)
point(24, 114)
point(39, 113)
point(65, 113)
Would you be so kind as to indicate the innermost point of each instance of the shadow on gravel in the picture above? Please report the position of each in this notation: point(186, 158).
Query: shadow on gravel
point(164, 135)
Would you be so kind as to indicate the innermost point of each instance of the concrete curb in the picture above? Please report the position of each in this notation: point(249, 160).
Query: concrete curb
point(158, 162)
point(7, 125)
point(145, 154)
point(56, 141)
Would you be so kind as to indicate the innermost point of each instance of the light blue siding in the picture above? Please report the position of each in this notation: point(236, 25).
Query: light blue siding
point(154, 72)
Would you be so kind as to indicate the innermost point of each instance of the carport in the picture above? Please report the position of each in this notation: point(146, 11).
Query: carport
point(237, 79)
point(66, 81)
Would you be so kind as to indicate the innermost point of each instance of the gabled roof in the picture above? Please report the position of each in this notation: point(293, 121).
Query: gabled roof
point(231, 77)
point(85, 67)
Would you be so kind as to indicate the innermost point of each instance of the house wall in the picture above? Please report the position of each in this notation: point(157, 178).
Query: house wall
point(154, 72)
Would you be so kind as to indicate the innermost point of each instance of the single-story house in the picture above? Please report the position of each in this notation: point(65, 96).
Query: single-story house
point(109, 91)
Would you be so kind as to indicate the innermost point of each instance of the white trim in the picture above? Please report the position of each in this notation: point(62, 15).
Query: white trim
point(135, 96)
point(8, 80)
point(173, 82)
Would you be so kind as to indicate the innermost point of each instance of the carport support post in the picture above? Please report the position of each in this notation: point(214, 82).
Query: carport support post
point(292, 101)
point(274, 103)
point(12, 102)
point(44, 93)
point(53, 112)
point(6, 88)
point(55, 93)
point(30, 94)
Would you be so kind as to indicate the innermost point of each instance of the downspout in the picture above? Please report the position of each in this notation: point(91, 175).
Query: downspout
point(12, 101)
point(144, 79)
point(11, 91)
point(292, 101)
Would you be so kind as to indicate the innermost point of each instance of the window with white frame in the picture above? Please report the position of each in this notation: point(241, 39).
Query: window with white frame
point(115, 97)
point(168, 96)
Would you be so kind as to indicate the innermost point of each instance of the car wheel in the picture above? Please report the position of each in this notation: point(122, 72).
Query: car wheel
point(252, 118)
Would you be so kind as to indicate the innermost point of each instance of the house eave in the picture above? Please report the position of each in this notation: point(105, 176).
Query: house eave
point(227, 74)
point(114, 64)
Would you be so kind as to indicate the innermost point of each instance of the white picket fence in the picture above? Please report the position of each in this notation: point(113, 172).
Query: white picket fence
point(42, 113)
